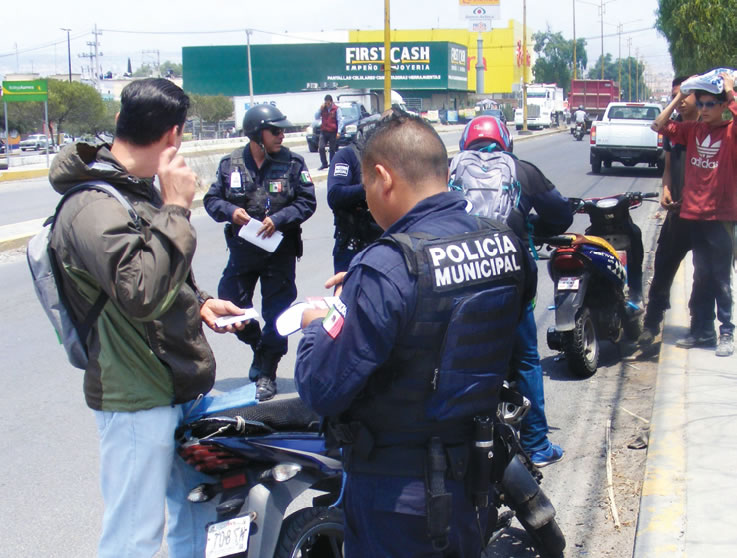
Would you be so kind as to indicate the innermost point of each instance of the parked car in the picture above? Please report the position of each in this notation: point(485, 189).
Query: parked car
point(355, 119)
point(34, 142)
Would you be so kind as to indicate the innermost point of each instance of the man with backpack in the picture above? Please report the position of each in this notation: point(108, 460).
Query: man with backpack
point(147, 352)
point(500, 186)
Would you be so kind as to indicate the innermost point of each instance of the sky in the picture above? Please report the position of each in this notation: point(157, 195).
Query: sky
point(31, 39)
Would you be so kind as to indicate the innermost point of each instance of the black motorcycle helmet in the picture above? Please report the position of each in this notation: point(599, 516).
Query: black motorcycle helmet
point(260, 117)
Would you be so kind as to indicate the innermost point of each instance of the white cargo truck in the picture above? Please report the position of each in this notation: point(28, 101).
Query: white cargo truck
point(545, 106)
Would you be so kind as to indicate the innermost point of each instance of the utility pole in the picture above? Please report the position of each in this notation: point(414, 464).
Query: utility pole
point(250, 69)
point(524, 68)
point(69, 52)
point(601, 9)
point(574, 38)
point(619, 28)
point(629, 68)
point(637, 74)
point(98, 71)
point(387, 57)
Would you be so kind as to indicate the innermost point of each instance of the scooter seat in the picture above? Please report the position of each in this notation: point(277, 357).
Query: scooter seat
point(289, 414)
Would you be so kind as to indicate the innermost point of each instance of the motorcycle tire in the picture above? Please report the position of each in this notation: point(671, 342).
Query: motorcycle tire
point(314, 531)
point(548, 540)
point(582, 347)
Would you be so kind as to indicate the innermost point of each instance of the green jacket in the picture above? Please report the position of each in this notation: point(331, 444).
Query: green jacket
point(147, 349)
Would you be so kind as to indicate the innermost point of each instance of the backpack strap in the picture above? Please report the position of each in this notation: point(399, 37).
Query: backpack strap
point(83, 328)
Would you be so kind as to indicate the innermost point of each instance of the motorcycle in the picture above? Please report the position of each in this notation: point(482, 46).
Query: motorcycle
point(516, 483)
point(579, 131)
point(264, 457)
point(589, 274)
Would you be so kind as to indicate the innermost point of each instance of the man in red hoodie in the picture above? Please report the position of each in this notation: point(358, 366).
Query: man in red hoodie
point(710, 202)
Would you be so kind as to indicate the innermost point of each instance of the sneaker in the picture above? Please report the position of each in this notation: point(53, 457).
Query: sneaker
point(726, 345)
point(697, 340)
point(265, 389)
point(322, 167)
point(647, 337)
point(551, 454)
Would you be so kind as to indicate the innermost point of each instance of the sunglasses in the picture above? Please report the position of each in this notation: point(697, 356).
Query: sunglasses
point(275, 130)
point(707, 104)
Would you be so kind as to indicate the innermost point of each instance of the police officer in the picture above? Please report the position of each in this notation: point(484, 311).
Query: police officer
point(263, 181)
point(552, 215)
point(417, 348)
point(355, 228)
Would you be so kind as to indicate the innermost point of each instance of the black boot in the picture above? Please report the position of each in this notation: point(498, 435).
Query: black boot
point(266, 383)
point(257, 365)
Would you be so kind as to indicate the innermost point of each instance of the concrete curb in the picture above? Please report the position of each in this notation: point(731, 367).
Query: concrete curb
point(661, 524)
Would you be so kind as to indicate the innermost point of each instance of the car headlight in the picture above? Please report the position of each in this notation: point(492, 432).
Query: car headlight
point(351, 129)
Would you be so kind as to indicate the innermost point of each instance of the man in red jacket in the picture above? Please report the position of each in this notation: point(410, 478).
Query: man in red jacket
point(710, 203)
point(331, 126)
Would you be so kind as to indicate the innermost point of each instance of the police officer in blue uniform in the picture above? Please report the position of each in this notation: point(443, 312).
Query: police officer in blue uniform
point(263, 181)
point(355, 228)
point(415, 350)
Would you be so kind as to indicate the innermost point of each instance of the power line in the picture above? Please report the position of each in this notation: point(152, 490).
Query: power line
point(44, 45)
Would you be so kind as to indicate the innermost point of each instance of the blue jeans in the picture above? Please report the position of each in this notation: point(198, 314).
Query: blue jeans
point(528, 373)
point(140, 472)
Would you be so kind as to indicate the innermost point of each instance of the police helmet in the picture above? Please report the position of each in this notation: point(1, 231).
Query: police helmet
point(580, 107)
point(261, 117)
point(487, 129)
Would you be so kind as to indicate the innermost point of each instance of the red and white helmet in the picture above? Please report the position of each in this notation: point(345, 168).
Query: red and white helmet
point(488, 128)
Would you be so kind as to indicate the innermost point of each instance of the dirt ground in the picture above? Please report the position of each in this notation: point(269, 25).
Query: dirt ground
point(620, 393)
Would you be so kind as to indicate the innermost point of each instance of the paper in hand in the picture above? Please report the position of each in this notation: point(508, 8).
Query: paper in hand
point(249, 232)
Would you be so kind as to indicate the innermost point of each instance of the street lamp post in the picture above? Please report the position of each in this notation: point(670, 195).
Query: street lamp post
point(69, 52)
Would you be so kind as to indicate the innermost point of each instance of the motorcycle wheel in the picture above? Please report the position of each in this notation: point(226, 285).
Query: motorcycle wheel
point(582, 350)
point(312, 532)
point(548, 540)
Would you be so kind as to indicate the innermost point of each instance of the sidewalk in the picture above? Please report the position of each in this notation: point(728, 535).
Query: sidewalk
point(687, 507)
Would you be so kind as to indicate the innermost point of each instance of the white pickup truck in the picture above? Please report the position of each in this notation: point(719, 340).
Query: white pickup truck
point(624, 135)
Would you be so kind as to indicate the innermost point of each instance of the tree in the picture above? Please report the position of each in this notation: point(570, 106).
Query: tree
point(143, 71)
point(171, 69)
point(211, 108)
point(611, 69)
point(555, 58)
point(701, 34)
point(75, 107)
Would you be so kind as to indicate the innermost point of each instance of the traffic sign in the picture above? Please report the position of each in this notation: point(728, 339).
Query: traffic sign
point(25, 91)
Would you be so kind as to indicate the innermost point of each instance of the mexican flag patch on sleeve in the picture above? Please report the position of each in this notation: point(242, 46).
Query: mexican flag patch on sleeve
point(305, 177)
point(333, 322)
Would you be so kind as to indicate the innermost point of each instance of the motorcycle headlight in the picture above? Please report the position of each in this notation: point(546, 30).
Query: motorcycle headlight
point(606, 203)
point(351, 129)
point(285, 471)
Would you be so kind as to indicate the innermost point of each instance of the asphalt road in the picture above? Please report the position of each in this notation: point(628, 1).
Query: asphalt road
point(49, 487)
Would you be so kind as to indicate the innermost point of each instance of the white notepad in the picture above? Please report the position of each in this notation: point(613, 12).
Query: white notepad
point(249, 232)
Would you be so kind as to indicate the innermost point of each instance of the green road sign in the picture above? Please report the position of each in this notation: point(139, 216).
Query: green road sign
point(25, 91)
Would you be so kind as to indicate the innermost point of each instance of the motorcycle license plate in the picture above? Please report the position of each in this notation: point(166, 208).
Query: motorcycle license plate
point(228, 537)
point(568, 283)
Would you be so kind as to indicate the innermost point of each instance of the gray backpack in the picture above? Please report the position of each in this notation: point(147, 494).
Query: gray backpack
point(489, 182)
point(45, 272)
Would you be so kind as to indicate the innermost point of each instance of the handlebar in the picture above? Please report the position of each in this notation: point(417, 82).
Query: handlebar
point(579, 205)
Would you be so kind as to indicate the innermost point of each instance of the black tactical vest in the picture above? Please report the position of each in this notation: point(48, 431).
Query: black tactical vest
point(450, 363)
point(276, 190)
